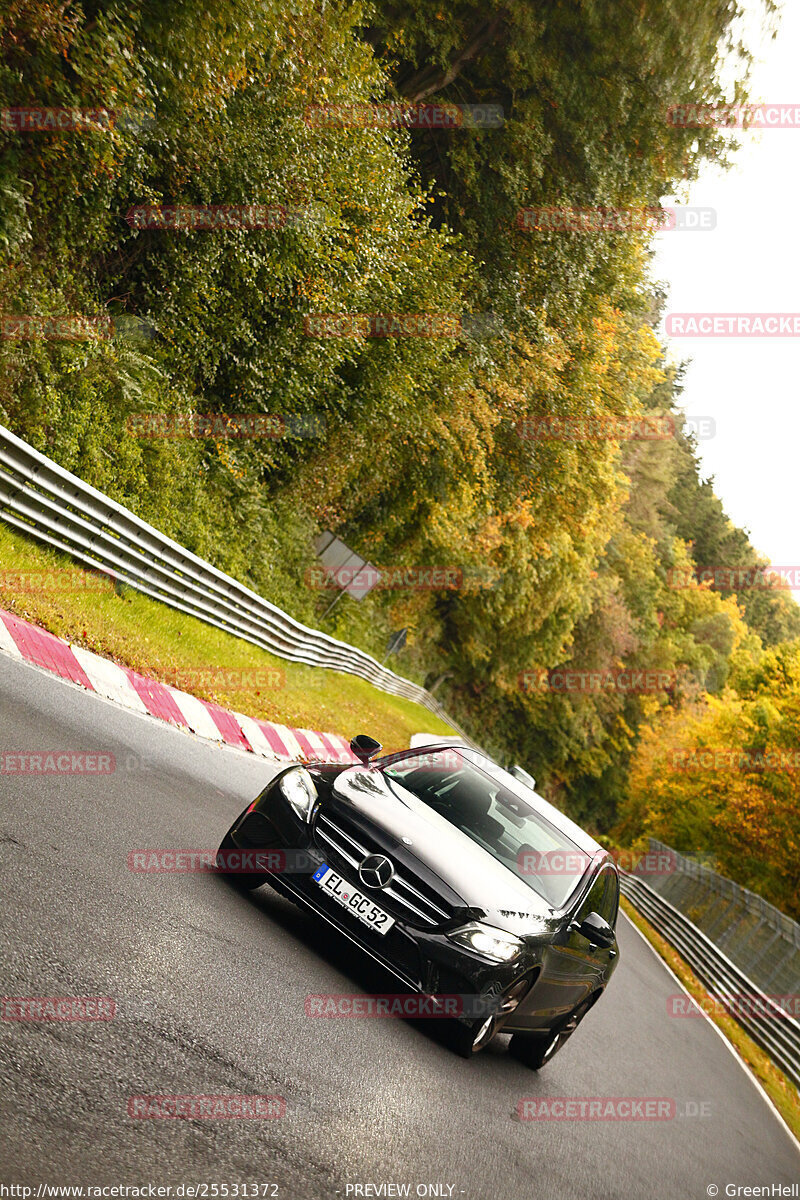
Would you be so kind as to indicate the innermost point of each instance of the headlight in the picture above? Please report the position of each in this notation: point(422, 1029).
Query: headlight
point(488, 941)
point(298, 788)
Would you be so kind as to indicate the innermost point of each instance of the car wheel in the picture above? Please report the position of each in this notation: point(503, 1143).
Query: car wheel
point(246, 881)
point(537, 1050)
point(471, 1039)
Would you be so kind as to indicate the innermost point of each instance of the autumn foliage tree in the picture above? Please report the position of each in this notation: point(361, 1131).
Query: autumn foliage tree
point(428, 450)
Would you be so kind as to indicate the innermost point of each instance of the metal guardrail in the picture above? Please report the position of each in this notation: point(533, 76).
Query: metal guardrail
point(776, 1033)
point(762, 941)
point(54, 506)
point(757, 937)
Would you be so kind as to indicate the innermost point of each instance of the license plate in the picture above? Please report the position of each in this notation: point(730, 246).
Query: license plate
point(354, 901)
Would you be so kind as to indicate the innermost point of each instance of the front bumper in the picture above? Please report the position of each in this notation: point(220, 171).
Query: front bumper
point(425, 961)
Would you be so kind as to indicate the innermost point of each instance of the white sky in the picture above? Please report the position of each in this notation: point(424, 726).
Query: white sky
point(749, 263)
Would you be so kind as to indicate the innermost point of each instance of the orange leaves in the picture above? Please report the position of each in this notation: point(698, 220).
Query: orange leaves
point(722, 775)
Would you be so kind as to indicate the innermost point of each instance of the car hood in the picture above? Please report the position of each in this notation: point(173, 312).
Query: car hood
point(414, 835)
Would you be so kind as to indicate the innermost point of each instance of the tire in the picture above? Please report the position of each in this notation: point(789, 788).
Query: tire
point(537, 1050)
point(245, 882)
point(469, 1040)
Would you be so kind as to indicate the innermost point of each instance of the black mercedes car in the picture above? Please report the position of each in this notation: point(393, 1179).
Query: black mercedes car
point(452, 874)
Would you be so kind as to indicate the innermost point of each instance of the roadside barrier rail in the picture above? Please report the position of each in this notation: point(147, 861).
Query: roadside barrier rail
point(54, 506)
point(776, 1032)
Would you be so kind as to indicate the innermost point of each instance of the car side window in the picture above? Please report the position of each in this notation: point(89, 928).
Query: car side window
point(610, 899)
point(594, 899)
point(603, 897)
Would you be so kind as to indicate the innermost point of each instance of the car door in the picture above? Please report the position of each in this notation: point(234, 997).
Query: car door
point(602, 898)
point(572, 970)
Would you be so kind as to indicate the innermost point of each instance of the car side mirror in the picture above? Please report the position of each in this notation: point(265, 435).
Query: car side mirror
point(522, 775)
point(365, 748)
point(595, 929)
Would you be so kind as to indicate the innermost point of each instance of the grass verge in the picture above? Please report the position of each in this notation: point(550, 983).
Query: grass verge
point(780, 1090)
point(47, 588)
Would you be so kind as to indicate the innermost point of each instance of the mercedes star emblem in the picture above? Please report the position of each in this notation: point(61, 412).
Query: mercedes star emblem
point(376, 871)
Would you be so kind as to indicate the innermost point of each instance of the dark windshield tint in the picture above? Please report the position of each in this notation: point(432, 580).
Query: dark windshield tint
point(499, 819)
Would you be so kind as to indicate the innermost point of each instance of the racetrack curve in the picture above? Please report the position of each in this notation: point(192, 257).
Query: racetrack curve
point(211, 984)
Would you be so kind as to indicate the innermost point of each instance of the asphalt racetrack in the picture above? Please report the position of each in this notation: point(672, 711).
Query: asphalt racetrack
point(210, 988)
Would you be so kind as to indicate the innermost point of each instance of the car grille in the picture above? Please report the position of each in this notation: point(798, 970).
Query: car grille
point(412, 900)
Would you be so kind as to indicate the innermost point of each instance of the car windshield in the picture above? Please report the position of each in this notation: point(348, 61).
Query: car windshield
point(494, 810)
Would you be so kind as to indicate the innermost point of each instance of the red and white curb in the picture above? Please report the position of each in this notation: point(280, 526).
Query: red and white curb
point(124, 686)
